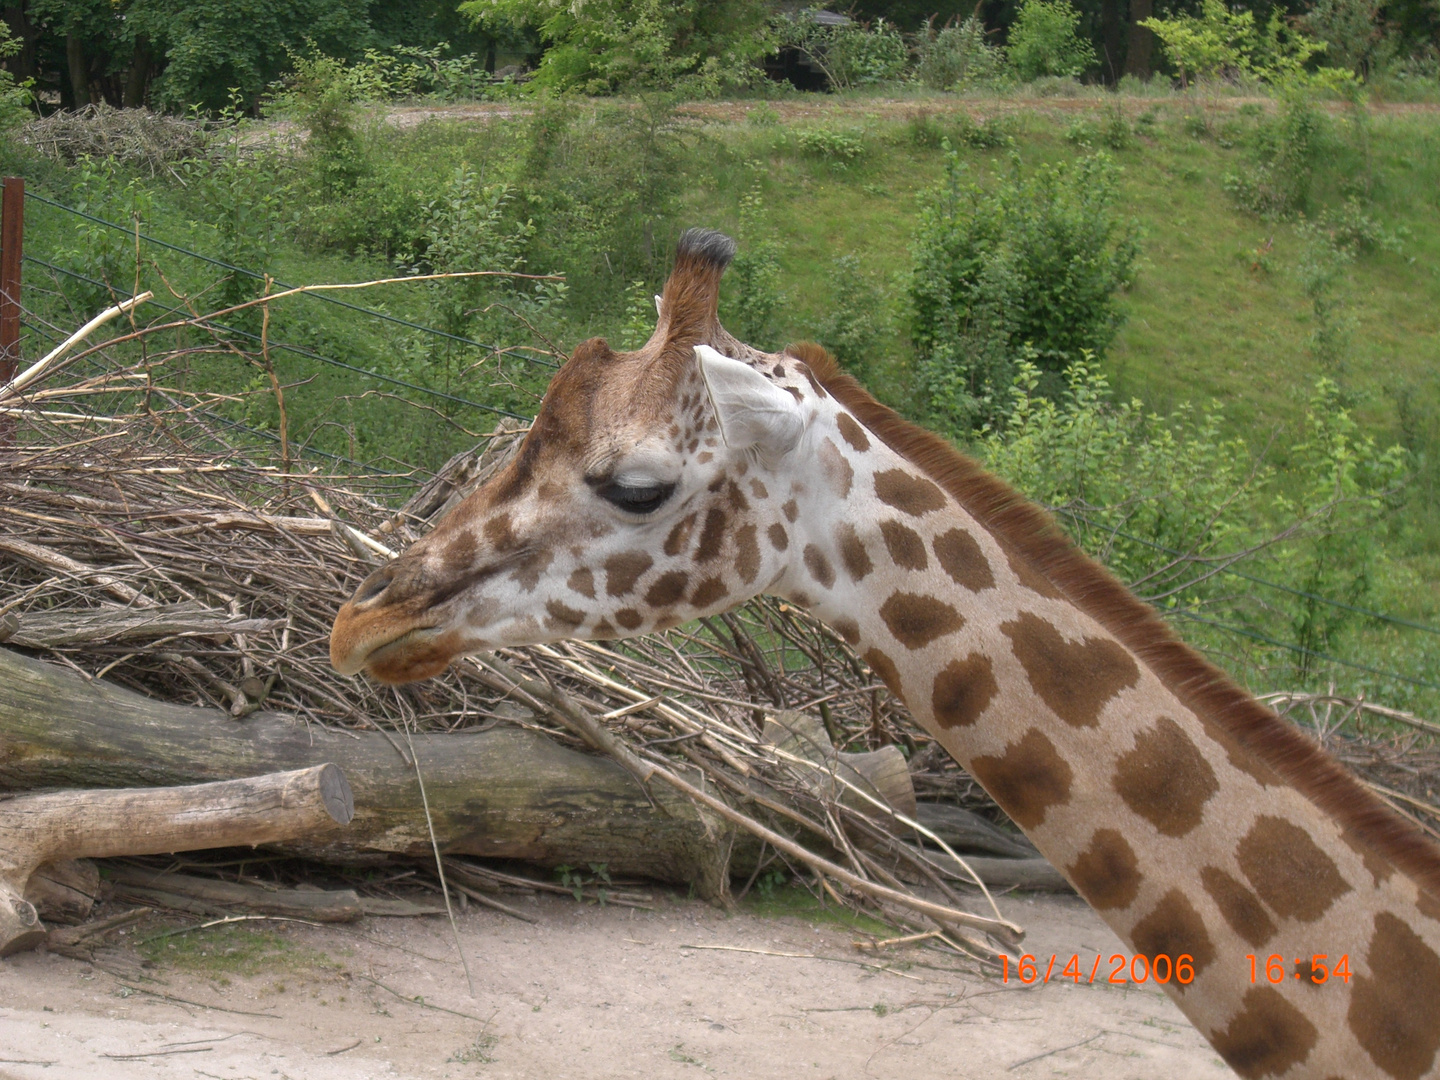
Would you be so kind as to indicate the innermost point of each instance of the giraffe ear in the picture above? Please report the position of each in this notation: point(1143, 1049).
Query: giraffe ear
point(753, 411)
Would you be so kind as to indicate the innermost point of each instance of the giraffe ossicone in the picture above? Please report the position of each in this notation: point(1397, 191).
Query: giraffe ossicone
point(684, 477)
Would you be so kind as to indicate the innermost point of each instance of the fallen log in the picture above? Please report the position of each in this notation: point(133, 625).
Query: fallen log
point(506, 792)
point(40, 828)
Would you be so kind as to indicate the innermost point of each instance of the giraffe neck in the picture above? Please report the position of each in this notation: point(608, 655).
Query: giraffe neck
point(1185, 839)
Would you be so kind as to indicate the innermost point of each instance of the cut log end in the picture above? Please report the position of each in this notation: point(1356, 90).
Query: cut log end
point(335, 793)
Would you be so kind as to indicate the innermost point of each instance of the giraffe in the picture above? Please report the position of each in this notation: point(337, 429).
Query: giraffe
point(680, 479)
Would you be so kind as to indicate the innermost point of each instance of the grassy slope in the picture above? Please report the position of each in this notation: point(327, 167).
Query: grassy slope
point(1201, 323)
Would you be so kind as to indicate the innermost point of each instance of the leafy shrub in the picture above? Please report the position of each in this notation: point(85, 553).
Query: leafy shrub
point(1279, 179)
point(957, 55)
point(854, 318)
point(1164, 501)
point(1219, 41)
point(837, 147)
point(15, 96)
point(754, 276)
point(1353, 229)
point(1352, 33)
point(1044, 41)
point(1031, 268)
point(854, 54)
point(603, 46)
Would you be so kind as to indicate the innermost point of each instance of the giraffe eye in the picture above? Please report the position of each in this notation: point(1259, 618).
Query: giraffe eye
point(636, 498)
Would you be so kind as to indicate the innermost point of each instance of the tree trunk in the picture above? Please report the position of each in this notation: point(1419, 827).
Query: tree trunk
point(138, 77)
point(79, 72)
point(1110, 40)
point(501, 793)
point(1141, 45)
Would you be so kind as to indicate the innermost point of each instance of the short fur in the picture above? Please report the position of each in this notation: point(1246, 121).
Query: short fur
point(1033, 535)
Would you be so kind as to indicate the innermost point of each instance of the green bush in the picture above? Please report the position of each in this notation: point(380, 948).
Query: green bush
point(1031, 268)
point(604, 46)
point(957, 56)
point(851, 55)
point(837, 147)
point(1044, 41)
point(854, 318)
point(1278, 180)
point(753, 282)
point(1166, 501)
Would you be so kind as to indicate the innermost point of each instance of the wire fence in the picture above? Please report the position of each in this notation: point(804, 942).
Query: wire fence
point(539, 359)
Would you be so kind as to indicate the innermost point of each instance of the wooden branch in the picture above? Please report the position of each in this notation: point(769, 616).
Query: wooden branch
point(506, 792)
point(151, 821)
point(54, 629)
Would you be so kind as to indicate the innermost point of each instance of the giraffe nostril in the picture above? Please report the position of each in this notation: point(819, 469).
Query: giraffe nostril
point(374, 585)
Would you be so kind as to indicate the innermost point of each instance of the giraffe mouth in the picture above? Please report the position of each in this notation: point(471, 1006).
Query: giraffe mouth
point(389, 656)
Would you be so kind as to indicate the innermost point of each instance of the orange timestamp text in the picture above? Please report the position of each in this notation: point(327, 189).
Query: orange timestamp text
point(1123, 969)
point(1318, 971)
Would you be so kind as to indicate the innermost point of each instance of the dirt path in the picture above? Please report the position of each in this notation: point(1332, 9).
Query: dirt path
point(589, 992)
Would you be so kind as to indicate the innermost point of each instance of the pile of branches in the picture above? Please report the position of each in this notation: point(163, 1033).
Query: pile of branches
point(144, 541)
point(138, 138)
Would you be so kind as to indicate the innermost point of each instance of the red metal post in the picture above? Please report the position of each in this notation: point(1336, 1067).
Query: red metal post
point(12, 240)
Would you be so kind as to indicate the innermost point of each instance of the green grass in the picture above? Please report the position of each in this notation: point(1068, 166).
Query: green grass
point(793, 900)
point(241, 950)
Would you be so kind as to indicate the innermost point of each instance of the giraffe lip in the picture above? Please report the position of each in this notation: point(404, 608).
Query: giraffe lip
point(380, 651)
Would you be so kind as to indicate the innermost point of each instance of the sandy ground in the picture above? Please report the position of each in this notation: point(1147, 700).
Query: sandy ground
point(591, 992)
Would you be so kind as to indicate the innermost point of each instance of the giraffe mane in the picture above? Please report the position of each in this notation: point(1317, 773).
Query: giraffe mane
point(1031, 532)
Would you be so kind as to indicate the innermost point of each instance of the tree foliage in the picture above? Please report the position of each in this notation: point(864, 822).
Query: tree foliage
point(605, 45)
point(1029, 269)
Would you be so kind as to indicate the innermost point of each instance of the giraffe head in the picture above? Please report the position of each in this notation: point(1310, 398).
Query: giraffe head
point(642, 496)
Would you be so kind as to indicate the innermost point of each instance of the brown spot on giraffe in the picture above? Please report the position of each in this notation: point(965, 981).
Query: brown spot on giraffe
point(848, 629)
point(1164, 778)
point(679, 537)
point(603, 629)
point(883, 666)
point(758, 489)
point(1075, 679)
point(623, 570)
point(837, 471)
point(852, 432)
point(917, 620)
point(819, 566)
point(1429, 906)
point(1175, 928)
point(1243, 759)
point(563, 617)
point(910, 494)
point(960, 556)
point(1026, 780)
point(1107, 873)
point(1380, 870)
point(1392, 1009)
point(791, 510)
point(1240, 907)
point(853, 555)
point(747, 553)
point(582, 581)
point(528, 573)
point(629, 618)
point(500, 533)
point(736, 498)
point(708, 592)
point(712, 535)
point(779, 538)
point(906, 547)
point(962, 691)
point(1288, 869)
point(1031, 578)
point(667, 589)
point(459, 553)
point(1267, 1037)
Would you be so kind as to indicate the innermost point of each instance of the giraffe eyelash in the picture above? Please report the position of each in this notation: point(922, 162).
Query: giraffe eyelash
point(636, 498)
